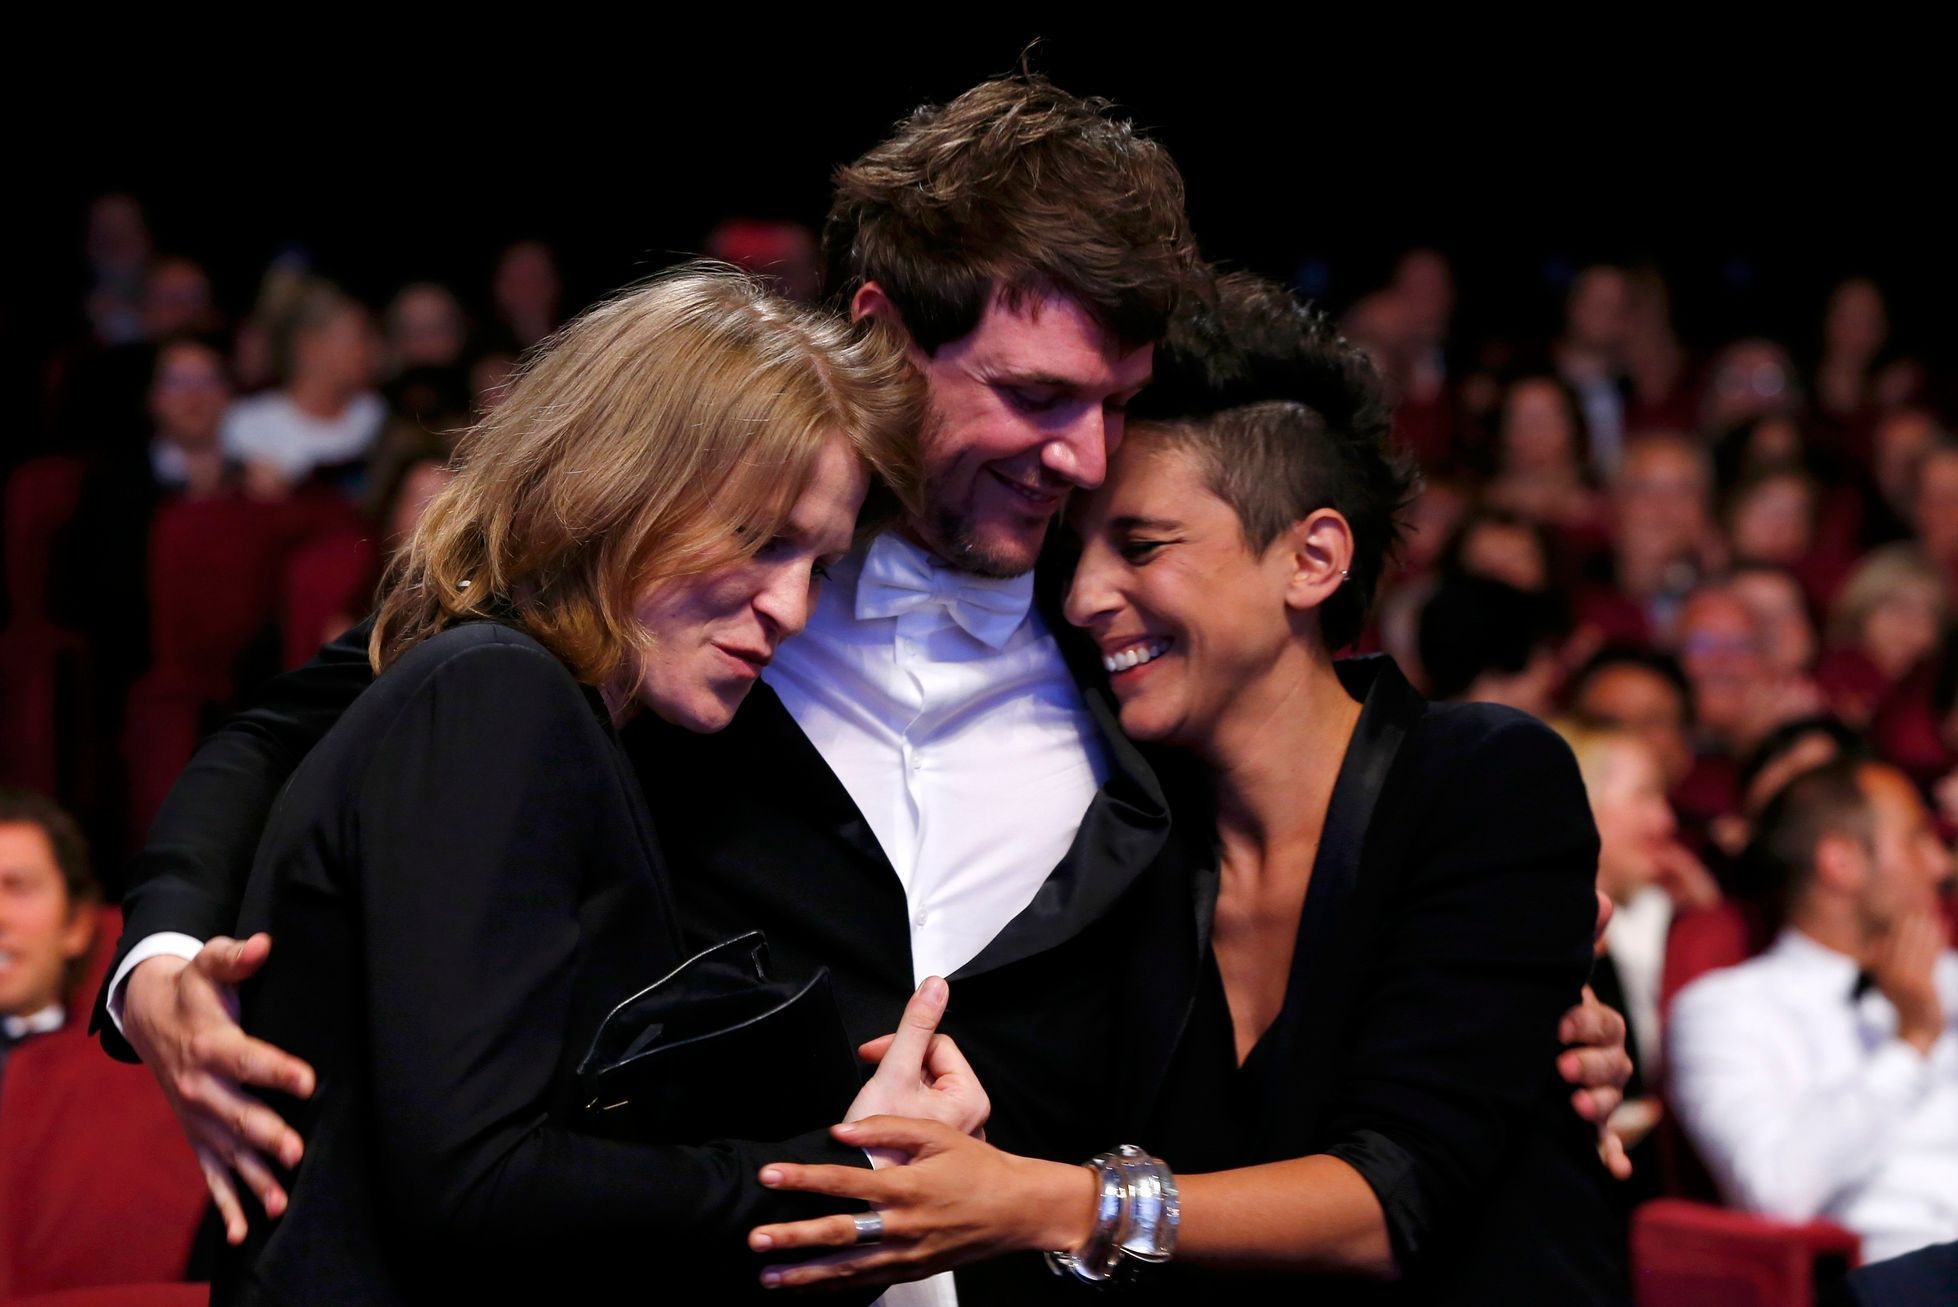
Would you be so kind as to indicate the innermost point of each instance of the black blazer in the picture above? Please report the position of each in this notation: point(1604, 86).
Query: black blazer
point(461, 880)
point(759, 833)
point(1446, 928)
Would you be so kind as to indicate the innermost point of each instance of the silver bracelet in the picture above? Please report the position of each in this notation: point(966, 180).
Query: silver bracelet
point(1136, 1217)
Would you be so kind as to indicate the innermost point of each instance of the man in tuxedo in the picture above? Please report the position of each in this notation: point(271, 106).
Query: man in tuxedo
point(929, 780)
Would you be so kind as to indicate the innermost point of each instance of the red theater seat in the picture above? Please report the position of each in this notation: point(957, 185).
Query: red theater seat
point(1687, 1254)
point(98, 1190)
point(45, 729)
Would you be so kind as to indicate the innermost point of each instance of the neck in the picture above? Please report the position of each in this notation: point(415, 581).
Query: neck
point(1277, 754)
point(319, 397)
point(1836, 931)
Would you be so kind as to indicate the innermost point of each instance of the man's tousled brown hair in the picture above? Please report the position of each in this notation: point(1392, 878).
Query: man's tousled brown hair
point(1016, 188)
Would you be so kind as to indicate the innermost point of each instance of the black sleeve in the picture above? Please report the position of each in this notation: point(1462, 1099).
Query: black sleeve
point(474, 842)
point(190, 877)
point(1486, 943)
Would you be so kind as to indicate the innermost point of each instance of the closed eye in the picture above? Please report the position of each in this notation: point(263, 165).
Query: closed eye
point(1140, 551)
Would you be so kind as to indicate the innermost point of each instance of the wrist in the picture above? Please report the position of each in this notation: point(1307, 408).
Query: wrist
point(1920, 1030)
point(1061, 1206)
point(152, 975)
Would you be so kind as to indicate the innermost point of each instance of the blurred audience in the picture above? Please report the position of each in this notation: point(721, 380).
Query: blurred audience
point(527, 292)
point(325, 416)
point(1821, 1078)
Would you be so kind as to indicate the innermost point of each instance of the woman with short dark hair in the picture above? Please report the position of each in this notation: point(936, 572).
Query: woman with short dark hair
point(1400, 896)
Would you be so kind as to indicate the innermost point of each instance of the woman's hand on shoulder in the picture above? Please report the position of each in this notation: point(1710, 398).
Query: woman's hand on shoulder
point(921, 1073)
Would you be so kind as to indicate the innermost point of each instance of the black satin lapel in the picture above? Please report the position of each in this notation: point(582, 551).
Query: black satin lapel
point(1314, 998)
point(761, 760)
point(1119, 838)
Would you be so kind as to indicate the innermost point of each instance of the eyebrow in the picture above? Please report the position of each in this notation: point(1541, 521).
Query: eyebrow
point(1133, 522)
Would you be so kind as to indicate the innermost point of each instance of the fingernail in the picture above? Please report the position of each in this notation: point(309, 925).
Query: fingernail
point(770, 1279)
point(771, 1176)
point(933, 988)
point(847, 1128)
point(761, 1241)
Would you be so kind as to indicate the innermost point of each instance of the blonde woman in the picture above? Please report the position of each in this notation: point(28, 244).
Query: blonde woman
point(462, 876)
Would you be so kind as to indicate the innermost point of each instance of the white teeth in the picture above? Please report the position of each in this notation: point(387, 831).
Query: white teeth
point(1135, 655)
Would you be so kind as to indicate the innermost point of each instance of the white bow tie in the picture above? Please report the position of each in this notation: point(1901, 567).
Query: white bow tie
point(898, 578)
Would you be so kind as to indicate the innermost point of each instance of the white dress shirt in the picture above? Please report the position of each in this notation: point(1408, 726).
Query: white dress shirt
point(963, 740)
point(972, 764)
point(1804, 1103)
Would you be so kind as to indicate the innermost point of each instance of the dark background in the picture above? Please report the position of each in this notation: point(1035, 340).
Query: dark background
point(1754, 166)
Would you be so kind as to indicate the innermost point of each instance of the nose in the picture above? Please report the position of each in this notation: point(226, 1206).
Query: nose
point(784, 602)
point(1092, 595)
point(1080, 453)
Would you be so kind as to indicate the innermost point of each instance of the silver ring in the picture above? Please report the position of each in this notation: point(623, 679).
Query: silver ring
point(870, 1227)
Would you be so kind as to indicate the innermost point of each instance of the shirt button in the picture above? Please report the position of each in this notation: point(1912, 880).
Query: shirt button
point(917, 762)
point(922, 918)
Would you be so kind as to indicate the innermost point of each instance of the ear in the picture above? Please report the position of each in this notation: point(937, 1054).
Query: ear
point(1842, 864)
point(870, 301)
point(79, 932)
point(1319, 550)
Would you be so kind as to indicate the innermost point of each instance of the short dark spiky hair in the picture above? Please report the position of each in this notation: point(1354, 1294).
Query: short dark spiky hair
point(1015, 187)
point(1288, 418)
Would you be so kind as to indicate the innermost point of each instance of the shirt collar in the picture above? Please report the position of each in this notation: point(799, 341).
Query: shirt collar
point(1816, 961)
point(45, 1022)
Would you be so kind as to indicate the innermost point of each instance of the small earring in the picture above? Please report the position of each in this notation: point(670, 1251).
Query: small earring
point(1345, 574)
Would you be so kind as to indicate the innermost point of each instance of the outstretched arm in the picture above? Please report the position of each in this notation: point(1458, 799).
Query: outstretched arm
point(168, 1000)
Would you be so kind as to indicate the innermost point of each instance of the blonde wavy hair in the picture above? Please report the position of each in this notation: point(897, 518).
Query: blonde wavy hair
point(666, 433)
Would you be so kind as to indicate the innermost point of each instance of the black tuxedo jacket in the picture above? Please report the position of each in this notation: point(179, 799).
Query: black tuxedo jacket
point(462, 881)
point(759, 833)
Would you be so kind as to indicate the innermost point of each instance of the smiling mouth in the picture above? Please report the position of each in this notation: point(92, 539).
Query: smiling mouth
point(1136, 655)
point(1035, 495)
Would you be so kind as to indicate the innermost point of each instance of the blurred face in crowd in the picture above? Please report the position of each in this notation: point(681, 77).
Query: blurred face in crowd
point(1425, 287)
point(526, 285)
point(1537, 430)
point(1720, 650)
point(1596, 311)
point(715, 632)
point(1026, 408)
point(176, 299)
point(1901, 628)
point(41, 932)
point(1751, 379)
point(1936, 506)
point(1781, 616)
point(1646, 703)
point(425, 328)
point(1635, 823)
point(1905, 863)
point(188, 395)
point(1900, 442)
point(340, 352)
point(1659, 497)
point(1773, 520)
point(1855, 325)
point(1773, 440)
point(1191, 617)
point(1509, 552)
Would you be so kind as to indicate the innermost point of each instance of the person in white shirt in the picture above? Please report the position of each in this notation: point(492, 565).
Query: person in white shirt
point(1821, 1078)
point(47, 916)
point(326, 415)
